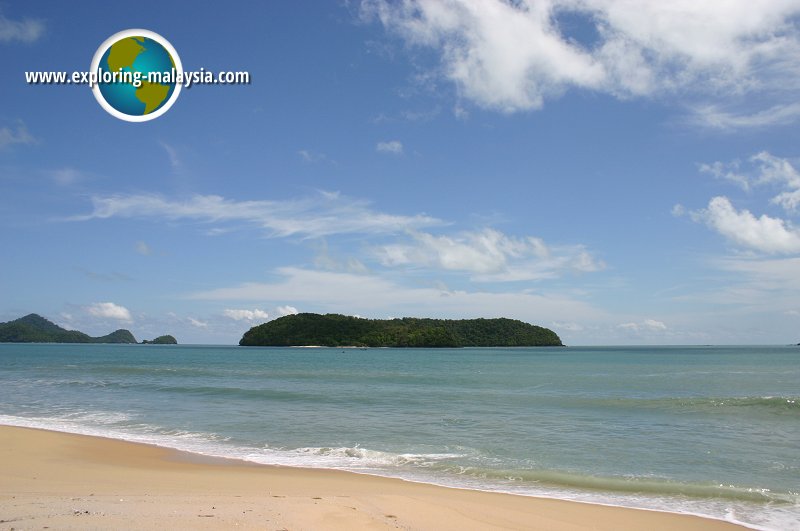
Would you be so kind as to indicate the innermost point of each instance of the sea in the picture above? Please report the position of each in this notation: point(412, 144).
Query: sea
point(707, 430)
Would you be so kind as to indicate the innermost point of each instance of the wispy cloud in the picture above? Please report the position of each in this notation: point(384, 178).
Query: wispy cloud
point(26, 30)
point(750, 285)
point(780, 172)
point(762, 169)
point(10, 136)
point(325, 213)
point(712, 117)
point(728, 172)
point(311, 157)
point(773, 274)
point(143, 249)
point(197, 323)
point(175, 161)
point(325, 260)
point(67, 176)
point(513, 56)
point(113, 276)
point(392, 147)
point(408, 116)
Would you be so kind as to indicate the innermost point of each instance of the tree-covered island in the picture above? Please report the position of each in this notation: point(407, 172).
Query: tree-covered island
point(161, 340)
point(334, 330)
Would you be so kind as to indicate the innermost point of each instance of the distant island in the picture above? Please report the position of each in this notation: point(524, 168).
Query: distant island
point(161, 340)
point(34, 328)
point(334, 330)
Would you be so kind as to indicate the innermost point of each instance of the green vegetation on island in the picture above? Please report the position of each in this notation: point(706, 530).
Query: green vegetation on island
point(333, 330)
point(119, 336)
point(161, 340)
point(34, 328)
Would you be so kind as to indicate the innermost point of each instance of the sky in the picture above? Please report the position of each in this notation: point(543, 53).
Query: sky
point(621, 171)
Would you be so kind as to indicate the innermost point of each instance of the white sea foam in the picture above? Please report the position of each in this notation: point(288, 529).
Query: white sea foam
point(408, 466)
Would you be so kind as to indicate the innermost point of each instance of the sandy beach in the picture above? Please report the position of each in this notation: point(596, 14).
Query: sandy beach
point(64, 481)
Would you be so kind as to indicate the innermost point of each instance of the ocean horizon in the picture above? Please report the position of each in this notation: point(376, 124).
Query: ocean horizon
point(705, 430)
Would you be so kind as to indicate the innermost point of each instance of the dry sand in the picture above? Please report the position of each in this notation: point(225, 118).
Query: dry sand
point(63, 481)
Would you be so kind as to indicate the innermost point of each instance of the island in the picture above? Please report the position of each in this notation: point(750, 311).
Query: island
point(34, 328)
point(334, 330)
point(161, 340)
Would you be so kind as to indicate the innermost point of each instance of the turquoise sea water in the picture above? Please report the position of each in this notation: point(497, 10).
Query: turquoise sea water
point(704, 430)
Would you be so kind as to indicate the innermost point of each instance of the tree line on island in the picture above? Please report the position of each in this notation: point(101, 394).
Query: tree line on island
point(334, 330)
point(34, 328)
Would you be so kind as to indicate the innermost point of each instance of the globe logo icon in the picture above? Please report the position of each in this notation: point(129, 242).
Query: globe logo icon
point(137, 75)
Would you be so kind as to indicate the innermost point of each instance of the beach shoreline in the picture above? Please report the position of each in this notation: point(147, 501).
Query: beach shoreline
point(68, 481)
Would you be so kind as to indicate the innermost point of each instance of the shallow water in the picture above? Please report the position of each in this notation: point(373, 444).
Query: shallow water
point(703, 430)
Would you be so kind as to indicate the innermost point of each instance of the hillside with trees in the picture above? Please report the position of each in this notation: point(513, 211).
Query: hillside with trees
point(34, 328)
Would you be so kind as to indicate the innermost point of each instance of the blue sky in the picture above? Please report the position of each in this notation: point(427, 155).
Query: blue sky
point(622, 172)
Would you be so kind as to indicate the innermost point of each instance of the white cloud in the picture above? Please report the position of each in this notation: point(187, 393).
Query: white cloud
point(498, 55)
point(109, 310)
point(394, 147)
point(246, 315)
point(765, 234)
point(488, 255)
point(20, 135)
point(512, 56)
point(26, 30)
point(323, 214)
point(652, 324)
point(143, 249)
point(287, 310)
point(376, 296)
point(648, 325)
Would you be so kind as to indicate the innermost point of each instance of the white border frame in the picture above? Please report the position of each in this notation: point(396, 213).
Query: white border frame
point(136, 33)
